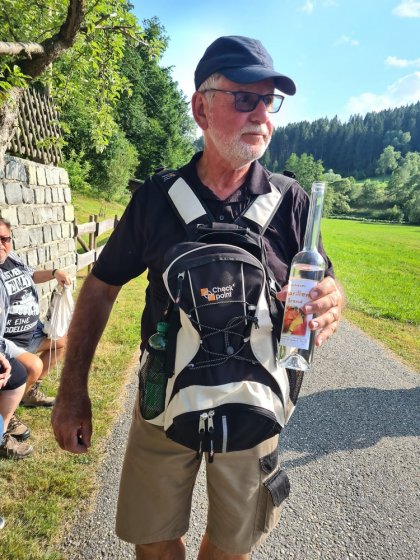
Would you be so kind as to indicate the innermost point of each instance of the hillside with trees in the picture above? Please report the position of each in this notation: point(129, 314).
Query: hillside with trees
point(350, 148)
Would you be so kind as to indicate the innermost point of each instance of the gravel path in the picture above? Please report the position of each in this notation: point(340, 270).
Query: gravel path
point(351, 454)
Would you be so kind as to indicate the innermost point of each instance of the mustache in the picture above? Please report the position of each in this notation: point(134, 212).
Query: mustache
point(255, 130)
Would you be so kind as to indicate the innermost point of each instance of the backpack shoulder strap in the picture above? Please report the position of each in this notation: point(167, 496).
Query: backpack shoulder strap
point(262, 210)
point(183, 200)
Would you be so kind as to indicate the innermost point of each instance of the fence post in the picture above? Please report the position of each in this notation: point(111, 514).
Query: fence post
point(92, 237)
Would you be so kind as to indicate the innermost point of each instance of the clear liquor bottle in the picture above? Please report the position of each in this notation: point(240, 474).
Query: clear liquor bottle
point(297, 342)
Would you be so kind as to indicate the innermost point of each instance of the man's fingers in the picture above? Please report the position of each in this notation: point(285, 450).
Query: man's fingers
point(73, 439)
point(326, 333)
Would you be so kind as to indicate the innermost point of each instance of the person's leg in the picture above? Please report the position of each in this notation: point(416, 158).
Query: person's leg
point(10, 396)
point(33, 366)
point(165, 550)
point(33, 395)
point(9, 401)
point(209, 551)
point(155, 493)
point(51, 352)
point(245, 491)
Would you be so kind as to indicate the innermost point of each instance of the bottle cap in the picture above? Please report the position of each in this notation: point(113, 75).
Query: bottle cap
point(162, 327)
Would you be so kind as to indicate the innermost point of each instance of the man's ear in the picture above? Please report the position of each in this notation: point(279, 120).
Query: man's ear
point(200, 108)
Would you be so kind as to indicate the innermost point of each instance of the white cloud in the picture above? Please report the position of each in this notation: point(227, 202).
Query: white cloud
point(401, 62)
point(404, 91)
point(346, 40)
point(407, 8)
point(307, 7)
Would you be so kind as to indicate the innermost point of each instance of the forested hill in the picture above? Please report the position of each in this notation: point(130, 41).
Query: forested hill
point(352, 147)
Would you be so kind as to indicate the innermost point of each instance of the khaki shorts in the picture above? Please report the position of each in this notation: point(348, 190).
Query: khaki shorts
point(245, 490)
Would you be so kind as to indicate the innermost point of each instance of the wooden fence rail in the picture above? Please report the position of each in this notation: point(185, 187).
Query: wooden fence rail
point(94, 229)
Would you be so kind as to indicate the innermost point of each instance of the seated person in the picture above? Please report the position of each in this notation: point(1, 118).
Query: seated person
point(12, 387)
point(23, 326)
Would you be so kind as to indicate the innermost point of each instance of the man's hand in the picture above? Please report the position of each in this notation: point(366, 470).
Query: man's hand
point(327, 303)
point(5, 370)
point(72, 421)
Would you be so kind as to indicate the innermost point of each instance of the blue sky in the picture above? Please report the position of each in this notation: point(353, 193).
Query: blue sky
point(345, 56)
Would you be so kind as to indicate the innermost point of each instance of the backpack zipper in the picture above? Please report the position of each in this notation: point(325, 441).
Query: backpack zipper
point(201, 432)
point(206, 417)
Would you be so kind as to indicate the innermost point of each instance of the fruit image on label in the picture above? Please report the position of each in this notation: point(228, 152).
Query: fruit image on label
point(294, 321)
point(295, 330)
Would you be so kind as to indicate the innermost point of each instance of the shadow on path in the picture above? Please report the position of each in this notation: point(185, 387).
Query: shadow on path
point(345, 419)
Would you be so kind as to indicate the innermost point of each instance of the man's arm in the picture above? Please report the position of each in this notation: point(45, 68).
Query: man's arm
point(72, 414)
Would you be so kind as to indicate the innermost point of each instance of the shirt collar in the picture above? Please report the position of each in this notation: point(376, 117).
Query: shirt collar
point(257, 181)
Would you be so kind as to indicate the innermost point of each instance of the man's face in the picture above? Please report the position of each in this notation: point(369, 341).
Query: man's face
point(5, 246)
point(239, 138)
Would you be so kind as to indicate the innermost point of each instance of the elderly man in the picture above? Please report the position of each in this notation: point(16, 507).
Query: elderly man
point(235, 96)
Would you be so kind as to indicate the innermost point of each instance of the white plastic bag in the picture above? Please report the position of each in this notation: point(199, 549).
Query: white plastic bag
point(59, 314)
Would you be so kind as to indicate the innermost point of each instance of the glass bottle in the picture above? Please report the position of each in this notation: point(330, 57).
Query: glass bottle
point(154, 375)
point(297, 342)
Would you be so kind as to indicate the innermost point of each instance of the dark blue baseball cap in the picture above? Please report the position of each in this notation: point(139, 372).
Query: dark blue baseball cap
point(242, 60)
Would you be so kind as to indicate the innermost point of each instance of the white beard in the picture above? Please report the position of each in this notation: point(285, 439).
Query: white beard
point(233, 149)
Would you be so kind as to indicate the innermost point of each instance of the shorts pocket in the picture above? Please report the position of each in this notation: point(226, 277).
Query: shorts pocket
point(274, 490)
point(278, 486)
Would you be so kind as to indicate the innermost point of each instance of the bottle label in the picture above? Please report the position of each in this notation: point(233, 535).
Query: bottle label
point(295, 330)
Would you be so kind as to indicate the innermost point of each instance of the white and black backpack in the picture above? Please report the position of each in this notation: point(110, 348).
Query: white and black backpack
point(225, 390)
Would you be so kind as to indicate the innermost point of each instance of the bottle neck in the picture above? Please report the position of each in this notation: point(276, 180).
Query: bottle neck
point(313, 226)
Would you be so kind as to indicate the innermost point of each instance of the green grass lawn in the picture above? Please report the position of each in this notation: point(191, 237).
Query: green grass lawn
point(379, 267)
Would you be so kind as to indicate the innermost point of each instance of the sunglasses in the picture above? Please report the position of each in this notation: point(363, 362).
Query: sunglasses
point(246, 101)
point(5, 240)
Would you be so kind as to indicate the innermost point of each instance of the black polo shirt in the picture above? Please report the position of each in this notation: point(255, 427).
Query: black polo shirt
point(149, 227)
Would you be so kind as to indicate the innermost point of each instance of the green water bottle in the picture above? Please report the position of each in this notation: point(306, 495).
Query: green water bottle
point(154, 375)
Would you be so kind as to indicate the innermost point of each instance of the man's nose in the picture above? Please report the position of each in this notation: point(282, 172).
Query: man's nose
point(260, 113)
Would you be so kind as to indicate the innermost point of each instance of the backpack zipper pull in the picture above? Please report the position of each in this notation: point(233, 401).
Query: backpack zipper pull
point(210, 421)
point(201, 432)
point(181, 276)
point(211, 430)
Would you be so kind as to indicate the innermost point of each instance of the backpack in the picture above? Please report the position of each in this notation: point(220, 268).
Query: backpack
point(225, 390)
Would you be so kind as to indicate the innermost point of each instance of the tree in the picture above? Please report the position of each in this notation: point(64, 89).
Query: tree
point(372, 194)
point(306, 169)
point(85, 40)
point(401, 187)
point(388, 161)
point(115, 167)
point(155, 117)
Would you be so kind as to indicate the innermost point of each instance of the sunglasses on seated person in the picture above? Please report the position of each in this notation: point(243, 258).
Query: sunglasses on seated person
point(246, 101)
point(4, 239)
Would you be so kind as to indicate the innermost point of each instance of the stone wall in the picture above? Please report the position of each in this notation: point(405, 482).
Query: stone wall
point(36, 199)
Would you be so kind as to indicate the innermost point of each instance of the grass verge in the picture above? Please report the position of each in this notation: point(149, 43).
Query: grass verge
point(39, 496)
point(378, 266)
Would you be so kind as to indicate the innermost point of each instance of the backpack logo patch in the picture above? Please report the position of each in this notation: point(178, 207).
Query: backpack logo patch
point(217, 292)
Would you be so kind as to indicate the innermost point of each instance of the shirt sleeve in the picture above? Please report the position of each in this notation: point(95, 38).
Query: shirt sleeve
point(122, 257)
